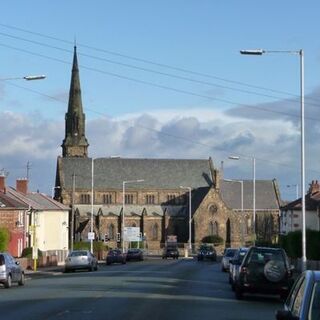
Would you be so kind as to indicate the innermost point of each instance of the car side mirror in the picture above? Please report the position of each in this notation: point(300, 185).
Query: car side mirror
point(285, 315)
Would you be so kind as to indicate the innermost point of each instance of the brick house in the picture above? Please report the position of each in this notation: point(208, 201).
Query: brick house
point(13, 218)
point(33, 219)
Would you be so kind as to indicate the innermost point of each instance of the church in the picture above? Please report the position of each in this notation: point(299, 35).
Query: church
point(163, 197)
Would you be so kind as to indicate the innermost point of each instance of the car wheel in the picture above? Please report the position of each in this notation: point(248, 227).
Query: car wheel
point(22, 280)
point(238, 292)
point(8, 282)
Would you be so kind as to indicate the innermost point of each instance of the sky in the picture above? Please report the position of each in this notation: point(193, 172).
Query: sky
point(162, 79)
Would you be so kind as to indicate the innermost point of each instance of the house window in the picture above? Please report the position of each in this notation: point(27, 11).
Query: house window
point(20, 219)
point(85, 199)
point(107, 198)
point(213, 209)
point(155, 231)
point(128, 198)
point(150, 199)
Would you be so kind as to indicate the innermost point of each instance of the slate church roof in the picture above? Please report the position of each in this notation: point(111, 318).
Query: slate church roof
point(109, 173)
point(267, 197)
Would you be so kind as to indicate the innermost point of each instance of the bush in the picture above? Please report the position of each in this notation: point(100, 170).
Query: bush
point(292, 243)
point(27, 252)
point(98, 246)
point(217, 240)
point(4, 239)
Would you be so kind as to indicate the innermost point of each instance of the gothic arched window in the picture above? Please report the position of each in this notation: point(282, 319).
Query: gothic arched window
point(155, 231)
point(111, 231)
point(214, 228)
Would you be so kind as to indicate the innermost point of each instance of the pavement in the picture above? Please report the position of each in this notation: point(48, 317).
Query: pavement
point(44, 271)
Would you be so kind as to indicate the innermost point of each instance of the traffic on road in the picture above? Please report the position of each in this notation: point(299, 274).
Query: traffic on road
point(156, 288)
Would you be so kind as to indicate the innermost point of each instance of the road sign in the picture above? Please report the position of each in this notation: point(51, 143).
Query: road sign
point(131, 233)
point(90, 235)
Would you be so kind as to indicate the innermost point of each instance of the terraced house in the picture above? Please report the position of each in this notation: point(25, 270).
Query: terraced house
point(159, 204)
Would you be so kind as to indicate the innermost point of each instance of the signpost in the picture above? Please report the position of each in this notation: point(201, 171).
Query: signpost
point(132, 234)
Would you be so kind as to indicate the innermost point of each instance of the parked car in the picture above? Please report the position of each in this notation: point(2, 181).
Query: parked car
point(115, 256)
point(135, 254)
point(227, 256)
point(80, 259)
point(264, 270)
point(170, 252)
point(10, 271)
point(234, 265)
point(303, 302)
point(207, 252)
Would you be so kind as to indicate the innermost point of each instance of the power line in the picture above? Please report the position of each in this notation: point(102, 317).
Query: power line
point(144, 82)
point(155, 63)
point(147, 70)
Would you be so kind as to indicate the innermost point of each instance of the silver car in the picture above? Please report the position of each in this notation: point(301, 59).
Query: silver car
point(80, 259)
point(228, 255)
point(10, 271)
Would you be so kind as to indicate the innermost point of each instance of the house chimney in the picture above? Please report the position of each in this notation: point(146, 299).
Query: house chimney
point(2, 183)
point(22, 185)
point(314, 187)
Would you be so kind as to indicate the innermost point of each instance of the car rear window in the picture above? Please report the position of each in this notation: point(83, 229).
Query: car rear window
point(230, 253)
point(263, 256)
point(78, 253)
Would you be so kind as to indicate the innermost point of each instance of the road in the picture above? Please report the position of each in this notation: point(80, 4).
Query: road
point(153, 289)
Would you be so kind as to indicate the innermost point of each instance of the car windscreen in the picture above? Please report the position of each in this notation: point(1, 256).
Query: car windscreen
point(78, 253)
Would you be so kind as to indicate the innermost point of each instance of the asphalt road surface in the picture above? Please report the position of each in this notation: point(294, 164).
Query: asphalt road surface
point(153, 289)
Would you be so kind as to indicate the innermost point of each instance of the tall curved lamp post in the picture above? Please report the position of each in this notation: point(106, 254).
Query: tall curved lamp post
point(253, 194)
point(303, 204)
point(190, 218)
point(123, 207)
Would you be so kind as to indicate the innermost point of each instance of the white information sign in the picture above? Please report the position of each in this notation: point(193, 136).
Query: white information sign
point(90, 235)
point(34, 252)
point(132, 234)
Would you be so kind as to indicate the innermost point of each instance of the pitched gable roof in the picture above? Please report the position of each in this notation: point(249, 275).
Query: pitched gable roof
point(157, 173)
point(266, 194)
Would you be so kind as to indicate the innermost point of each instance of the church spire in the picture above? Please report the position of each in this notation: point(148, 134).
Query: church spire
point(75, 143)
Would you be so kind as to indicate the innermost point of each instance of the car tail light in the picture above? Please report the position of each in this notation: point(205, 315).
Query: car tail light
point(244, 270)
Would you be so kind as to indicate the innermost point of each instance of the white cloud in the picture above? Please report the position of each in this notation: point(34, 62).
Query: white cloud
point(195, 133)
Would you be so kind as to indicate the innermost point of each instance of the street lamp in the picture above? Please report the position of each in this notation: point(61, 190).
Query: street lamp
point(241, 182)
point(190, 218)
point(123, 206)
point(297, 189)
point(28, 78)
point(301, 54)
point(253, 193)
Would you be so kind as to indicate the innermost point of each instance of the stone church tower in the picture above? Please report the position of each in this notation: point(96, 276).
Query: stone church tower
point(75, 143)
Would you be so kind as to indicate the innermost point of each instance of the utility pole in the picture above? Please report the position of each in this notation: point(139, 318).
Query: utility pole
point(72, 210)
point(28, 169)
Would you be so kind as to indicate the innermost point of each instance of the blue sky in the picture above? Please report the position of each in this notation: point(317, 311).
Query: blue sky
point(162, 79)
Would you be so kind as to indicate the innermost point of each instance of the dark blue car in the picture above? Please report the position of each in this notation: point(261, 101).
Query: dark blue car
point(303, 302)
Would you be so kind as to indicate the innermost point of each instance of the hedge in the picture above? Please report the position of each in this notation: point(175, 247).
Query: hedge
point(292, 243)
point(4, 239)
